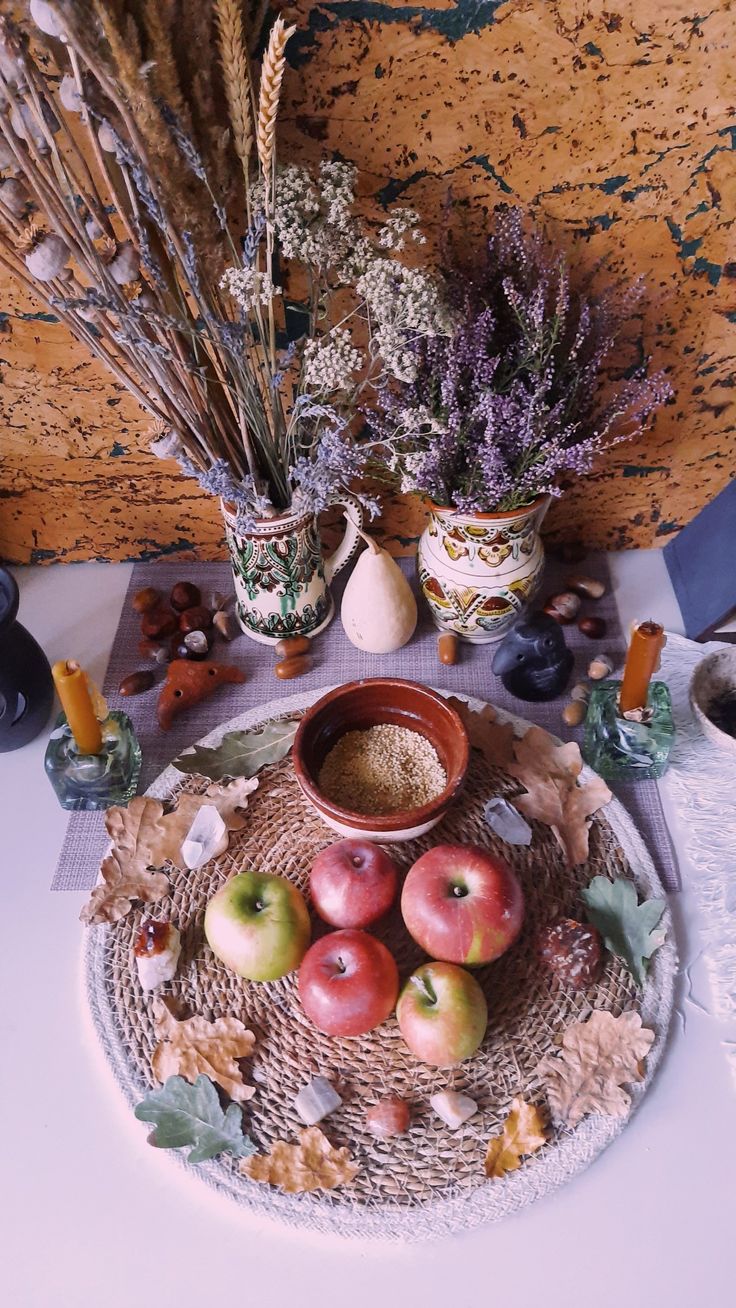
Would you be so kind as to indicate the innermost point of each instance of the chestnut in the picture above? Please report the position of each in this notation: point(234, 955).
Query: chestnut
point(185, 596)
point(158, 624)
point(146, 599)
point(197, 618)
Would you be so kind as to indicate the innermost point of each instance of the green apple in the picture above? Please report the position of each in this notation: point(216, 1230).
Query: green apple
point(442, 1014)
point(258, 925)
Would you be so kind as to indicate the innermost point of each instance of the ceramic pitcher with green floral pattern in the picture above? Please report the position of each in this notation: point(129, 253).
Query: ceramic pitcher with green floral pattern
point(281, 578)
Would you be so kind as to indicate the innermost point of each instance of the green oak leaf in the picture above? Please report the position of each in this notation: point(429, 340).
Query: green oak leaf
point(627, 927)
point(240, 753)
point(185, 1114)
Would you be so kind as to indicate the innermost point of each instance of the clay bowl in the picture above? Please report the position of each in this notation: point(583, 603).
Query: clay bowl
point(369, 703)
point(714, 678)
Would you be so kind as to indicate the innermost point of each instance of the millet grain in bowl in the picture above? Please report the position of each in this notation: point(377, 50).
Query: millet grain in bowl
point(382, 770)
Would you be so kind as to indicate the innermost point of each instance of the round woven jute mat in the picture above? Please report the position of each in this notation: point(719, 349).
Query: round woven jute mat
point(430, 1181)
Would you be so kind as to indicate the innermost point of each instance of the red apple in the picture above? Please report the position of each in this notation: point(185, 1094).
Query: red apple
point(353, 883)
point(348, 983)
point(462, 904)
point(442, 1014)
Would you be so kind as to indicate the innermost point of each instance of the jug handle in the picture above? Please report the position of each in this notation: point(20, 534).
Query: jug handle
point(350, 542)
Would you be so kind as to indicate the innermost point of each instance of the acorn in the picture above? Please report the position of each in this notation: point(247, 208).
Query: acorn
point(574, 713)
point(137, 682)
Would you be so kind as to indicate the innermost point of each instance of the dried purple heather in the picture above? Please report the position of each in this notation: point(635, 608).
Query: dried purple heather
point(535, 381)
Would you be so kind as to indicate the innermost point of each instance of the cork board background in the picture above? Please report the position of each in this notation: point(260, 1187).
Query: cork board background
point(614, 121)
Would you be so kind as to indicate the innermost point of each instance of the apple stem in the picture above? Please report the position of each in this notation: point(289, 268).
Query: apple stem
point(424, 984)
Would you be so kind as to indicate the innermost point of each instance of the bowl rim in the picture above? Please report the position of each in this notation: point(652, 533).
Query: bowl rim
point(387, 822)
point(718, 736)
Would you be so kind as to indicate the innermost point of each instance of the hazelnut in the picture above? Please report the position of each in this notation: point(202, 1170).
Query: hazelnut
point(185, 596)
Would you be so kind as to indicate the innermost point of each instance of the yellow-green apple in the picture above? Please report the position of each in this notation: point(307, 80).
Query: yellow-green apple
point(348, 983)
point(353, 883)
point(462, 904)
point(442, 1014)
point(258, 925)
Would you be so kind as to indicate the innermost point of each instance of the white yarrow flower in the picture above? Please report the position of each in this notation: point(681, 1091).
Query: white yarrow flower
point(249, 286)
point(330, 362)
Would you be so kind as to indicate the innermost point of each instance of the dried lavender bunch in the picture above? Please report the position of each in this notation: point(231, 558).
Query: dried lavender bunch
point(526, 391)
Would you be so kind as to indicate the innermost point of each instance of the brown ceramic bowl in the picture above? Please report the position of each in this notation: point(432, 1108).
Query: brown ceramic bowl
point(369, 703)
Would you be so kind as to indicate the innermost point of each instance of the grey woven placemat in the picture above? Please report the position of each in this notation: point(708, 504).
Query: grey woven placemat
point(336, 660)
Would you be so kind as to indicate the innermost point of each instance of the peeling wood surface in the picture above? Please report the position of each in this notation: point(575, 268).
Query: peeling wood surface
point(616, 123)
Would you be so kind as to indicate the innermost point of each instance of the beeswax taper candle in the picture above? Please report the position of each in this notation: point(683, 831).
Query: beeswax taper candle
point(73, 691)
point(647, 640)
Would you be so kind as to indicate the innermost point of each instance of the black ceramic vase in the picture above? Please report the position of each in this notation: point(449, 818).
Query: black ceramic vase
point(26, 687)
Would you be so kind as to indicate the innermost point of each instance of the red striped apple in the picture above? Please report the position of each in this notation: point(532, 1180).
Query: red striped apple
point(462, 904)
point(258, 925)
point(442, 1014)
point(353, 883)
point(348, 983)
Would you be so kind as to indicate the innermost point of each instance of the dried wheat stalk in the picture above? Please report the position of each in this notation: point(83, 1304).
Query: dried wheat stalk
point(236, 76)
point(272, 73)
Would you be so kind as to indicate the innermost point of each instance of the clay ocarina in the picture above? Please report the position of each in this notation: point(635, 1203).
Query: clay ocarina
point(189, 683)
point(533, 661)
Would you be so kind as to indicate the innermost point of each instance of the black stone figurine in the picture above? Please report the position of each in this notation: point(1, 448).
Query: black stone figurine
point(533, 661)
point(26, 687)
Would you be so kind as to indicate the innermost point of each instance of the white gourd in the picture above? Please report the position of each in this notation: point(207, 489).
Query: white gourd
point(379, 612)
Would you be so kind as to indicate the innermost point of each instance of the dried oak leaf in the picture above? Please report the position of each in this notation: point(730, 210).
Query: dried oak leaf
point(494, 739)
point(144, 836)
point(120, 887)
point(597, 1058)
point(196, 1047)
point(523, 1133)
point(313, 1164)
point(550, 773)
